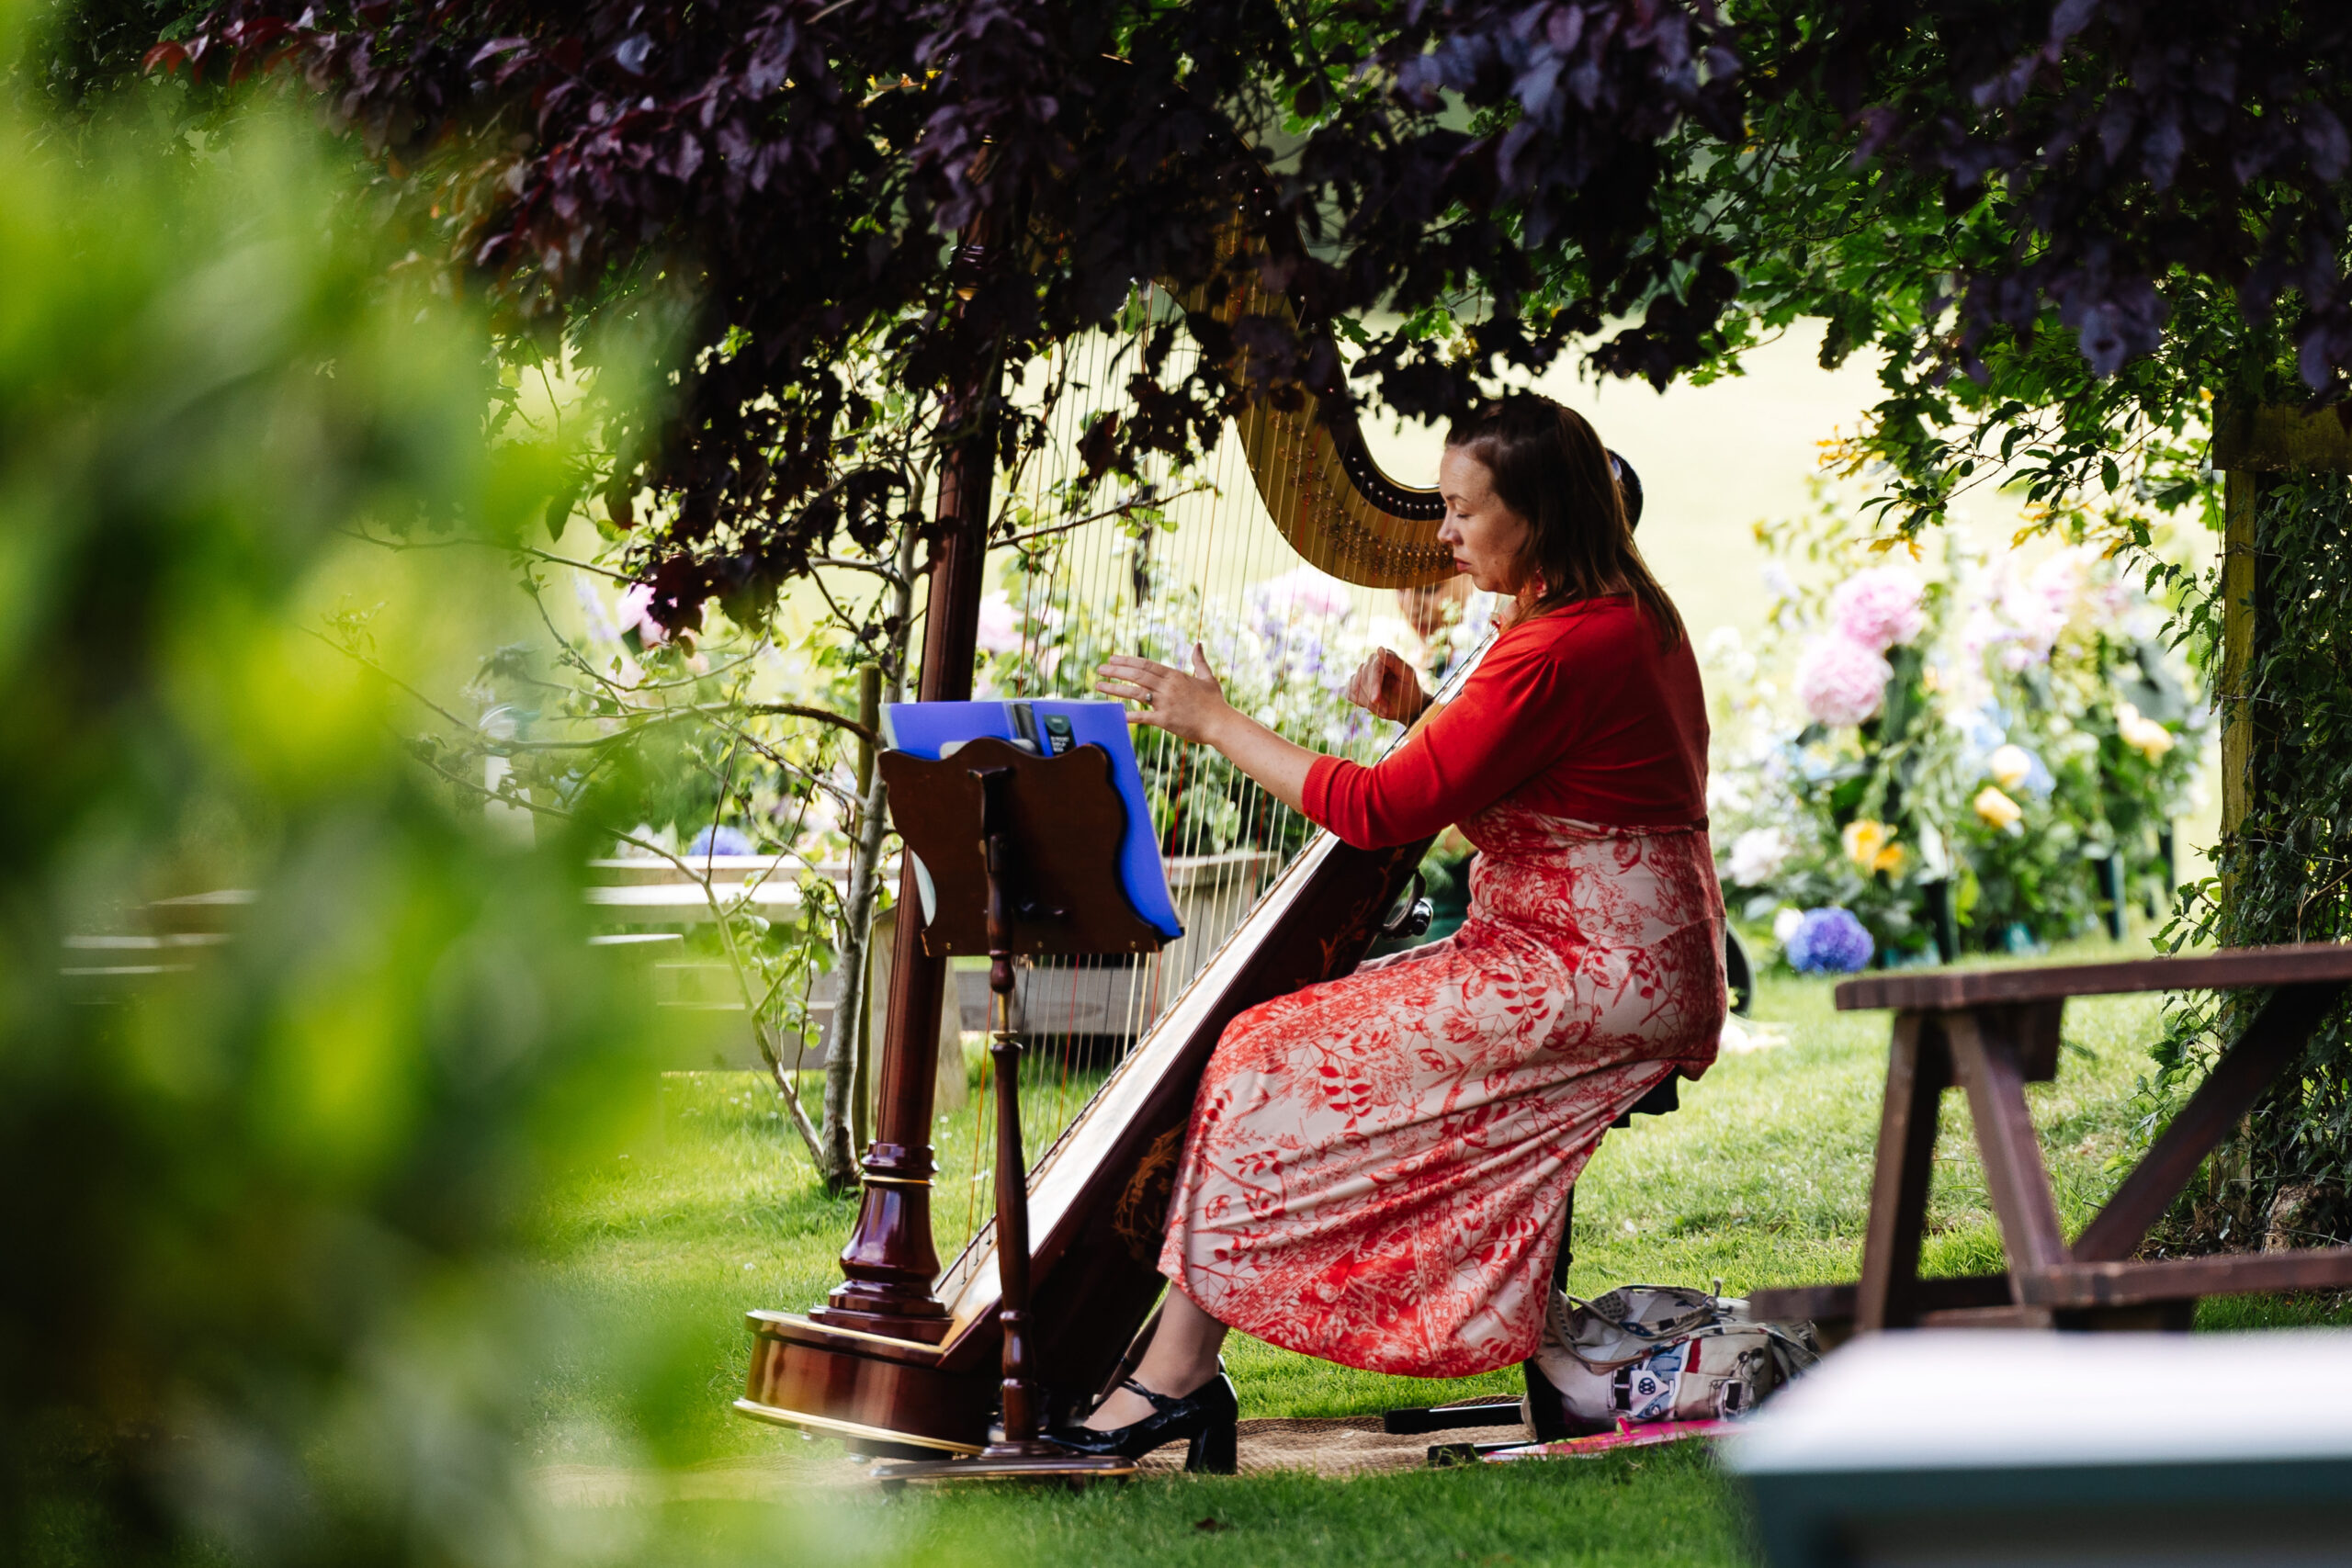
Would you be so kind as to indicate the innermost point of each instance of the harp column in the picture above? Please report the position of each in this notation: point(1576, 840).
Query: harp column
point(891, 1262)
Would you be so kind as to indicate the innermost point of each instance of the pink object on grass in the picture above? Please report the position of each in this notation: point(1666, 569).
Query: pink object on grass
point(1627, 1435)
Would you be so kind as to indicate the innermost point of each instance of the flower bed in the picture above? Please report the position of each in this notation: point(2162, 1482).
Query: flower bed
point(1911, 765)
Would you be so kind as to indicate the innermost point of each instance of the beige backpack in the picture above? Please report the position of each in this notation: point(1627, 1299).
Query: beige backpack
point(1648, 1353)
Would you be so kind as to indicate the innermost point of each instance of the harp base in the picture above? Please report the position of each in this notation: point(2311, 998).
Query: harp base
point(876, 1442)
point(884, 1325)
point(884, 1396)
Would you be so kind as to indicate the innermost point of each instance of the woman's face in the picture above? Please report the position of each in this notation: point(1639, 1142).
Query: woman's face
point(1487, 538)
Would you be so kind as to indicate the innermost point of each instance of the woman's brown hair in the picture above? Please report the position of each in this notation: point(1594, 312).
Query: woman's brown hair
point(1551, 469)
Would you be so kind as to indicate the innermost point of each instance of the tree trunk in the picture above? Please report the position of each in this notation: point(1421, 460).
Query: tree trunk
point(846, 1036)
point(847, 1029)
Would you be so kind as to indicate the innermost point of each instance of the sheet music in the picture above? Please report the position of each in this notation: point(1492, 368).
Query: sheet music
point(935, 729)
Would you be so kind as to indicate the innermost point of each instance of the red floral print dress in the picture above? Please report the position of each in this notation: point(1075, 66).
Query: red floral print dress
point(1375, 1166)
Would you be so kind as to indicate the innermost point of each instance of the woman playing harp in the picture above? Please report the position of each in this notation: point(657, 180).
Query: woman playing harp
point(1375, 1166)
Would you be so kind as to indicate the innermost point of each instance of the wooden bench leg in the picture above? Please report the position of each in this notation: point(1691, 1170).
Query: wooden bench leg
point(2274, 1040)
point(1918, 1068)
point(1989, 1065)
point(2155, 1318)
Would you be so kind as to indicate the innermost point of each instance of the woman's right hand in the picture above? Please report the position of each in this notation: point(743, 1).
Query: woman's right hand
point(1388, 687)
point(1189, 707)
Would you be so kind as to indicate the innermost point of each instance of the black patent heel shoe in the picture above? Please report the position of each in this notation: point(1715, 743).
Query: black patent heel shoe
point(1208, 1417)
point(1216, 1450)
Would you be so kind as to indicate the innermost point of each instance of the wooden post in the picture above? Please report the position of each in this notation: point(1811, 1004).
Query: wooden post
point(2249, 445)
point(2240, 583)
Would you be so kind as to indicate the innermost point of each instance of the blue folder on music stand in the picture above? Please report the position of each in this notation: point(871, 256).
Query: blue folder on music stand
point(926, 730)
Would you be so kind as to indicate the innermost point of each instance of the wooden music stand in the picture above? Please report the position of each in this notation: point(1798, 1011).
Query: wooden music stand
point(1022, 853)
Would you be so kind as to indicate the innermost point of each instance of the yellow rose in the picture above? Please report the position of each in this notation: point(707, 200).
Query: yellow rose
point(2146, 736)
point(1890, 860)
point(2009, 766)
point(1865, 840)
point(1998, 809)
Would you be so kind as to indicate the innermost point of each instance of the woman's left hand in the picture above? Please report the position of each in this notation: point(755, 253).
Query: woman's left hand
point(1190, 707)
point(1387, 687)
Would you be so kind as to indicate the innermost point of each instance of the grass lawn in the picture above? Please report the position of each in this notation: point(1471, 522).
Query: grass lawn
point(1762, 1178)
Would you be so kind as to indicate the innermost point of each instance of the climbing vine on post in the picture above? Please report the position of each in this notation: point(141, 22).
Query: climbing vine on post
point(2284, 863)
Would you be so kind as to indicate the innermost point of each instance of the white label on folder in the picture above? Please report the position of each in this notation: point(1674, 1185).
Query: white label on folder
point(923, 890)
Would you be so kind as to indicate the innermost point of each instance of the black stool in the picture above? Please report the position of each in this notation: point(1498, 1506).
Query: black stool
point(1739, 975)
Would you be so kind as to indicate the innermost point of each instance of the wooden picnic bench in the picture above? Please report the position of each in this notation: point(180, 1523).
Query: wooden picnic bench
point(1992, 1031)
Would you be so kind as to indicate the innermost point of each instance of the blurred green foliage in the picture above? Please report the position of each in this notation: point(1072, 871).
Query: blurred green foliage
point(264, 1206)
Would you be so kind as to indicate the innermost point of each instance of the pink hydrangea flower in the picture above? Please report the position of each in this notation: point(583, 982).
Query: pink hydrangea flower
point(2035, 606)
point(1303, 593)
point(635, 613)
point(1000, 629)
point(1879, 608)
point(1841, 681)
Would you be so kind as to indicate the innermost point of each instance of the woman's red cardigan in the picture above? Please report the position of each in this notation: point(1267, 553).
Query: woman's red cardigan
point(1579, 711)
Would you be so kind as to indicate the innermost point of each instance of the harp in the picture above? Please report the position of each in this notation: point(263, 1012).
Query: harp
point(902, 1359)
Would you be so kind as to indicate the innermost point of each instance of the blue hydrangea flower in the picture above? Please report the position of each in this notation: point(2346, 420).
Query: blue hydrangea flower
point(1829, 941)
point(720, 839)
point(1985, 729)
point(2039, 780)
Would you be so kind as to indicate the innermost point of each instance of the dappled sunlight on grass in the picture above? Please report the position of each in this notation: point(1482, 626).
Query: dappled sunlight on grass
point(1667, 1507)
point(1664, 1506)
point(1762, 1178)
point(716, 1212)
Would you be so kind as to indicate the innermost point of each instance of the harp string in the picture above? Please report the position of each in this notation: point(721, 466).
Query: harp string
point(1224, 576)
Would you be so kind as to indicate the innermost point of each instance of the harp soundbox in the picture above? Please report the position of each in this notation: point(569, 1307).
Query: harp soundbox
point(902, 1359)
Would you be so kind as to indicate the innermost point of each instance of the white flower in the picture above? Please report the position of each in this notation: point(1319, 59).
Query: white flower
point(1785, 922)
point(1303, 593)
point(635, 613)
point(2059, 580)
point(1758, 855)
point(1726, 653)
point(2009, 766)
point(999, 630)
point(2147, 737)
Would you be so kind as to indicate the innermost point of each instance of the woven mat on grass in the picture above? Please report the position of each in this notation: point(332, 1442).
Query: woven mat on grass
point(763, 1478)
point(1348, 1445)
